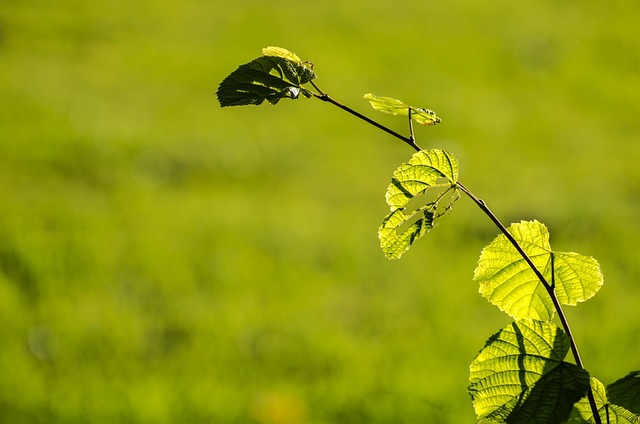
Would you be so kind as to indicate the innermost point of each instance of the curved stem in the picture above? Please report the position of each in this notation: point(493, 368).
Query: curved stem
point(550, 288)
point(325, 97)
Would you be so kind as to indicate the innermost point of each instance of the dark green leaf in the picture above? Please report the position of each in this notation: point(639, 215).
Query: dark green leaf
point(277, 75)
point(626, 392)
point(610, 412)
point(520, 376)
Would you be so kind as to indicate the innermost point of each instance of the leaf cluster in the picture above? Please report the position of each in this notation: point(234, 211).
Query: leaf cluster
point(521, 375)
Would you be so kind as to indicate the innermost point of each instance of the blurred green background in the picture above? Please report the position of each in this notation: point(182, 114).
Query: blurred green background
point(165, 260)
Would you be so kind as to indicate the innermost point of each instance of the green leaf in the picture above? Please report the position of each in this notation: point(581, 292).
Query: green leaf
point(520, 376)
point(626, 392)
point(396, 107)
point(507, 281)
point(608, 412)
point(393, 243)
point(280, 52)
point(425, 170)
point(277, 75)
point(432, 172)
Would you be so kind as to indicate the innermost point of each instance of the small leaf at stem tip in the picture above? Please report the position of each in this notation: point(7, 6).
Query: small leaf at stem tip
point(397, 107)
point(278, 74)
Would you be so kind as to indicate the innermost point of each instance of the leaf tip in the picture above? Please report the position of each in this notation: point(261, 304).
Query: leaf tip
point(280, 52)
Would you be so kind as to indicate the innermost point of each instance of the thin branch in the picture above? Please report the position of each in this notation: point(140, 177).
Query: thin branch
point(317, 88)
point(325, 97)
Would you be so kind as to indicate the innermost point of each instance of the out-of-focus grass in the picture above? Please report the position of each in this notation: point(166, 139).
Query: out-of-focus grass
point(165, 260)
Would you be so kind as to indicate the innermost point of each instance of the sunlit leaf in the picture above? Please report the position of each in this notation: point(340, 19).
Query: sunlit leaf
point(425, 170)
point(281, 52)
point(396, 107)
point(429, 171)
point(395, 243)
point(277, 75)
point(520, 376)
point(609, 412)
point(508, 282)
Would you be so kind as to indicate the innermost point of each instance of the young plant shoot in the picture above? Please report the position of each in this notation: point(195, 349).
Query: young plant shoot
point(521, 375)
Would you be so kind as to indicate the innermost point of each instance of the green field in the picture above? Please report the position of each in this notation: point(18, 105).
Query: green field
point(164, 260)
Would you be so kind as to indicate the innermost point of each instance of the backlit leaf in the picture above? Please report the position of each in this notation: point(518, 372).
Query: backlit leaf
point(609, 412)
point(508, 282)
point(396, 107)
point(520, 376)
point(280, 52)
point(433, 172)
point(277, 75)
